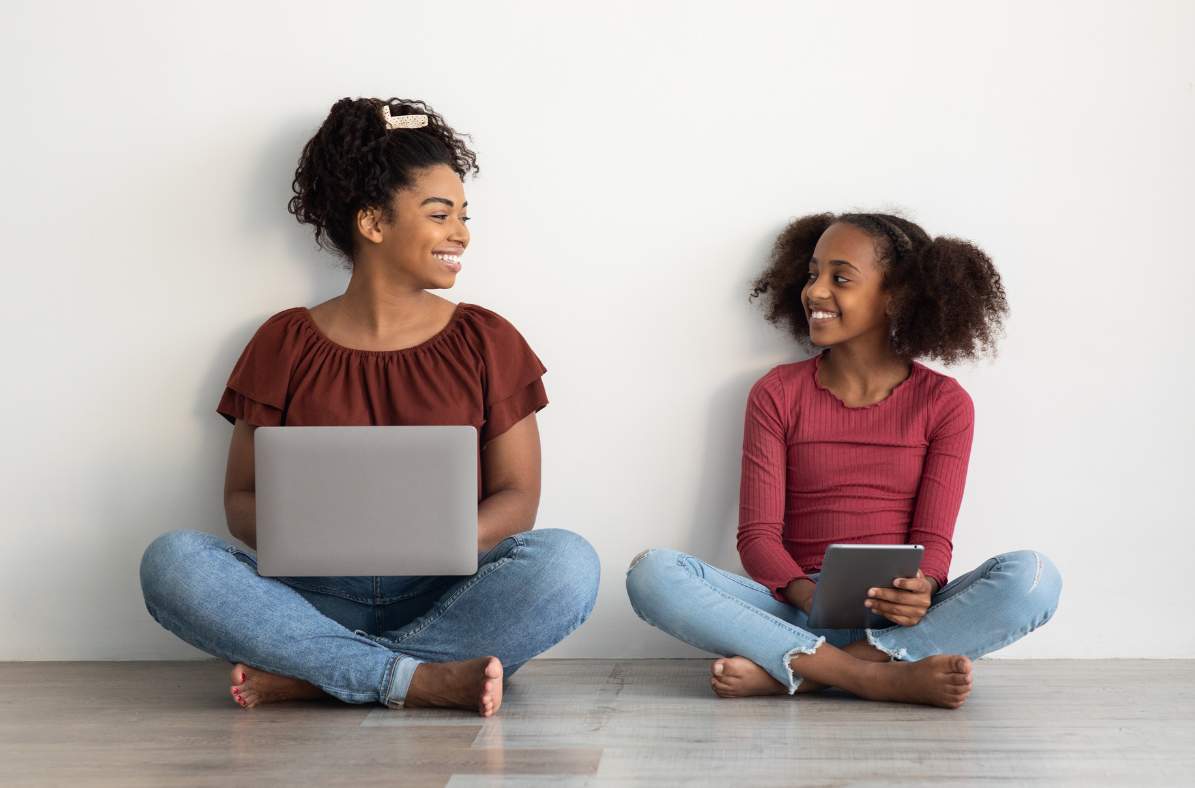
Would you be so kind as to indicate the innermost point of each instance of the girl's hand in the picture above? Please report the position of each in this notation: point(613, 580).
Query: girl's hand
point(906, 604)
point(799, 593)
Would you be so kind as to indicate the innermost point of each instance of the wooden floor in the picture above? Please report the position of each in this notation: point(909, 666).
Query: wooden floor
point(598, 723)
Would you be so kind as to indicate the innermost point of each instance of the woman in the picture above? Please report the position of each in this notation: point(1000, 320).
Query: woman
point(864, 444)
point(381, 183)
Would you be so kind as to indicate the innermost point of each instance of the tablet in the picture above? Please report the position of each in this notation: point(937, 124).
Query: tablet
point(848, 572)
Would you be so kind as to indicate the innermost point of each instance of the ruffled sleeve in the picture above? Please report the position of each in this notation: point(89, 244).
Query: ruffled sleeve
point(511, 374)
point(257, 388)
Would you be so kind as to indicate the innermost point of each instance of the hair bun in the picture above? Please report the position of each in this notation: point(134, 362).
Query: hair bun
point(354, 161)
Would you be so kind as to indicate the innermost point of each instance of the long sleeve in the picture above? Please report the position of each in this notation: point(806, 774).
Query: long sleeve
point(763, 487)
point(943, 477)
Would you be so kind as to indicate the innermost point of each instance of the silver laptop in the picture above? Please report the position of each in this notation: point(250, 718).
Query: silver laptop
point(366, 500)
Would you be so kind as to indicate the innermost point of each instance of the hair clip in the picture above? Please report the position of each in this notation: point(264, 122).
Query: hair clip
point(402, 121)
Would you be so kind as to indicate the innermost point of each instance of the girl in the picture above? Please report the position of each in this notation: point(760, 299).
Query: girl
point(864, 444)
point(381, 183)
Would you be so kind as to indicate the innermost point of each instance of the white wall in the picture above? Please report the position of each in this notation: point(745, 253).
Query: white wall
point(636, 163)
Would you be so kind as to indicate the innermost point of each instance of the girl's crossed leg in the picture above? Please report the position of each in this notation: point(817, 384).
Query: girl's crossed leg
point(767, 642)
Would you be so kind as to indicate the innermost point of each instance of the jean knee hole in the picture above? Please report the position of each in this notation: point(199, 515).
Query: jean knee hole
point(635, 561)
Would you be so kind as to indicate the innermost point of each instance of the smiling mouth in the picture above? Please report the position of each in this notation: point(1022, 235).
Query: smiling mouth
point(451, 261)
point(820, 315)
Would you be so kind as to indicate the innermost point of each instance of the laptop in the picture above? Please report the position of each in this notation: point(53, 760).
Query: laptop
point(335, 501)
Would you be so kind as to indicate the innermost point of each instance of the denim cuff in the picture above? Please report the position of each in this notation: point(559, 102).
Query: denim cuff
point(905, 644)
point(793, 678)
point(402, 670)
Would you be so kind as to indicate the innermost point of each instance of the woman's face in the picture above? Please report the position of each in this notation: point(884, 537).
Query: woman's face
point(427, 235)
point(843, 297)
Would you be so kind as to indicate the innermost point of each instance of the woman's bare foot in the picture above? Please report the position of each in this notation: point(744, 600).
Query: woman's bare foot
point(943, 680)
point(251, 687)
point(739, 677)
point(470, 684)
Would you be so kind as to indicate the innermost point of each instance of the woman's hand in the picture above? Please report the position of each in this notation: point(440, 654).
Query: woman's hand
point(906, 604)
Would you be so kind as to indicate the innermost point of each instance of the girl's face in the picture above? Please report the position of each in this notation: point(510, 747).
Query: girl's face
point(427, 235)
point(843, 297)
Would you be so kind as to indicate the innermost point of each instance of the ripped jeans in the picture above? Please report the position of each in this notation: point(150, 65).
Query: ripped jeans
point(1001, 601)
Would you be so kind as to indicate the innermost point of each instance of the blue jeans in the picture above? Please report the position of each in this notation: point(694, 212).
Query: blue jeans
point(360, 639)
point(1003, 600)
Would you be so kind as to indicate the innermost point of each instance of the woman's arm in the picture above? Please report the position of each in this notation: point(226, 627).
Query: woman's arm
point(510, 464)
point(240, 500)
point(510, 496)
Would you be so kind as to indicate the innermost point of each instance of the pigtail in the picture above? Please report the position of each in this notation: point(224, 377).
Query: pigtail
point(948, 302)
point(780, 285)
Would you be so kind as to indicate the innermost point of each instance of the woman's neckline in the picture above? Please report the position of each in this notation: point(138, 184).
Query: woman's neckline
point(817, 365)
point(457, 312)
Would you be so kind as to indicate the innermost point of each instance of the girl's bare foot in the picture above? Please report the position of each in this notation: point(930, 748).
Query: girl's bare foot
point(251, 687)
point(739, 677)
point(470, 684)
point(943, 680)
point(860, 649)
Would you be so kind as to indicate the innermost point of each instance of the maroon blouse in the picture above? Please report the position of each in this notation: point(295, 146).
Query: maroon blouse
point(477, 371)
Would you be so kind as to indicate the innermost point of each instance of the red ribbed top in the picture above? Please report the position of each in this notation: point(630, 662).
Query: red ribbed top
point(816, 472)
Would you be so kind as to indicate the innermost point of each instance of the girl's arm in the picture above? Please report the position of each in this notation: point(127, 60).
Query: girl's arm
point(943, 476)
point(761, 497)
point(511, 472)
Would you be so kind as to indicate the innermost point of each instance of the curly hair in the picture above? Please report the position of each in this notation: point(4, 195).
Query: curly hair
point(355, 162)
point(947, 302)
